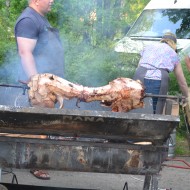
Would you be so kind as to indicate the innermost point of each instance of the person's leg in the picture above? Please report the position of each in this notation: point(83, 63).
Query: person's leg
point(153, 87)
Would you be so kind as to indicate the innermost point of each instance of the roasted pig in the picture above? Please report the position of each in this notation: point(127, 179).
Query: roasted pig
point(121, 94)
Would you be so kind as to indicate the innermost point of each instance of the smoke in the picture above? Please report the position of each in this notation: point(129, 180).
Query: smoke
point(84, 58)
point(9, 72)
point(3, 75)
point(88, 30)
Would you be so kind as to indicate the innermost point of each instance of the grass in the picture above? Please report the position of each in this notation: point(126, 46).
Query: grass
point(182, 146)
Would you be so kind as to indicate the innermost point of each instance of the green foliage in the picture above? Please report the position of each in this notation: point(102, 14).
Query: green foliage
point(88, 29)
point(174, 87)
point(175, 90)
point(97, 66)
point(7, 20)
point(182, 147)
point(95, 21)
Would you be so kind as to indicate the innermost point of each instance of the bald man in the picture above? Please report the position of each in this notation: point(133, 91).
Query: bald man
point(39, 45)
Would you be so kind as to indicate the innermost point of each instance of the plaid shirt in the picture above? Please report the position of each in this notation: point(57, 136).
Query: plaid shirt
point(158, 56)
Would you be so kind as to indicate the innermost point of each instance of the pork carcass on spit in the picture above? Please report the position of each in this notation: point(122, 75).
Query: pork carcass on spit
point(121, 94)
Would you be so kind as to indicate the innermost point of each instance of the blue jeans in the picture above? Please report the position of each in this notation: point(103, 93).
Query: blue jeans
point(153, 87)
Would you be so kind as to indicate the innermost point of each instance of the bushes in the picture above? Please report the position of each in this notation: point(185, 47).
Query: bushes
point(96, 66)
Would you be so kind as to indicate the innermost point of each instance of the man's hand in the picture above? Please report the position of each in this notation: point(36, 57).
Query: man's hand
point(184, 102)
point(25, 81)
point(187, 62)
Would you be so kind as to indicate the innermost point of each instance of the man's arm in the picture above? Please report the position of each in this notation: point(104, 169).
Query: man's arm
point(25, 49)
point(181, 79)
point(187, 61)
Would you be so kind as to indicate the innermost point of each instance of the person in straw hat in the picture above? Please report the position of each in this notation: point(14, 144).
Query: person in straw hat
point(157, 61)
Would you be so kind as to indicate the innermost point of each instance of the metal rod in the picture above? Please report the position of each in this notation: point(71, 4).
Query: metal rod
point(15, 86)
point(164, 96)
point(0, 174)
point(24, 87)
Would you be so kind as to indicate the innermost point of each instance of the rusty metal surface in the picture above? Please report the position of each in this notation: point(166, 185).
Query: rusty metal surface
point(80, 156)
point(96, 141)
point(87, 123)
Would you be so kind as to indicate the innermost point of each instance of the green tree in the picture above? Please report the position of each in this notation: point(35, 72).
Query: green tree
point(88, 30)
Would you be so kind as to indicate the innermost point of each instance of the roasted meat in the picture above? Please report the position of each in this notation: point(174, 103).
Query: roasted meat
point(121, 94)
